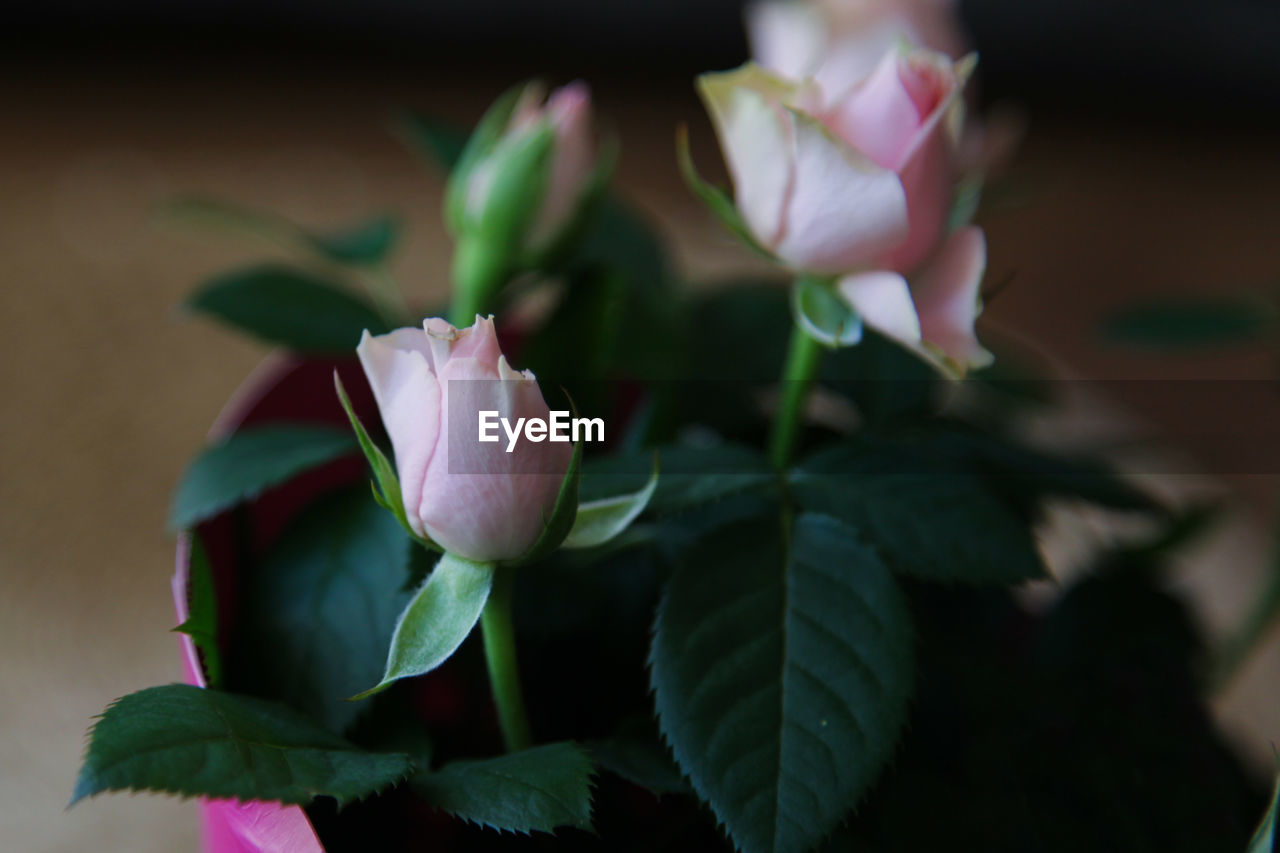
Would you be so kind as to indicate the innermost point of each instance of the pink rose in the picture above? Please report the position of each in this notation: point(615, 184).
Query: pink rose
point(834, 184)
point(474, 499)
point(839, 42)
point(846, 183)
point(568, 174)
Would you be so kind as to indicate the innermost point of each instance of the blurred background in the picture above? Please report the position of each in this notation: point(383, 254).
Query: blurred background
point(1150, 166)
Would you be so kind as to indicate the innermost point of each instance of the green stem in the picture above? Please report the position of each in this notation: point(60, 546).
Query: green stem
point(804, 356)
point(500, 655)
point(478, 276)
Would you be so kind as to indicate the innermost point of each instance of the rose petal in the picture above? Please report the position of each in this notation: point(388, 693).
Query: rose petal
point(398, 367)
point(880, 117)
point(479, 501)
point(754, 132)
point(572, 161)
point(884, 301)
point(480, 342)
point(786, 37)
point(844, 210)
point(946, 294)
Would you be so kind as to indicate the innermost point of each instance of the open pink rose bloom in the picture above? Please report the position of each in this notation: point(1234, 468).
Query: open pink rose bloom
point(858, 183)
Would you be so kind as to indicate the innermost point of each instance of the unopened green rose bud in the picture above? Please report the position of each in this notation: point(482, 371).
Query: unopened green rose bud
point(519, 188)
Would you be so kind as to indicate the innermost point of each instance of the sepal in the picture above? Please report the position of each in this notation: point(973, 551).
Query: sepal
point(716, 199)
point(601, 521)
point(823, 314)
point(556, 528)
point(386, 485)
point(437, 619)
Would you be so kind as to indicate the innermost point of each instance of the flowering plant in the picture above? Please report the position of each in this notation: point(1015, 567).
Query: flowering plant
point(735, 567)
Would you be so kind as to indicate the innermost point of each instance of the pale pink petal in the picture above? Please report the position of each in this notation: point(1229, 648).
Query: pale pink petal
point(884, 301)
point(844, 210)
point(746, 109)
point(572, 161)
point(929, 170)
point(480, 341)
point(787, 37)
point(398, 368)
point(928, 179)
point(479, 501)
point(946, 294)
point(852, 57)
point(879, 117)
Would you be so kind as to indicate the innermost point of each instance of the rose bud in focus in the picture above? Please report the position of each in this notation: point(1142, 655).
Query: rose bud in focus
point(474, 499)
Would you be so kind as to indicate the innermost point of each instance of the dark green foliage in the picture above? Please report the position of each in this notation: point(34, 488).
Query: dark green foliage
point(251, 460)
point(289, 307)
point(781, 675)
point(324, 601)
point(185, 740)
point(1082, 729)
point(1192, 322)
point(535, 790)
point(926, 521)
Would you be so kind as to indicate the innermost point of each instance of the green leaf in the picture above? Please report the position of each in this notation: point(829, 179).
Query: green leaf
point(619, 238)
point(201, 624)
point(289, 307)
point(364, 244)
point(599, 521)
point(558, 526)
point(636, 753)
point(928, 521)
point(781, 676)
point(692, 476)
point(1264, 839)
point(823, 314)
point(386, 485)
point(1191, 322)
point(439, 141)
point(324, 600)
point(180, 739)
point(1027, 474)
point(715, 198)
point(534, 790)
point(249, 462)
point(437, 619)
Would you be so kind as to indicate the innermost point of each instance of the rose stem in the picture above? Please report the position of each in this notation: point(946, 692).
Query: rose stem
point(804, 356)
point(500, 655)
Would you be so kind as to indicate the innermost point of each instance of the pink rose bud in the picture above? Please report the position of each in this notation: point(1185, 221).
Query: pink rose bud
point(564, 174)
point(839, 42)
point(476, 499)
point(832, 183)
